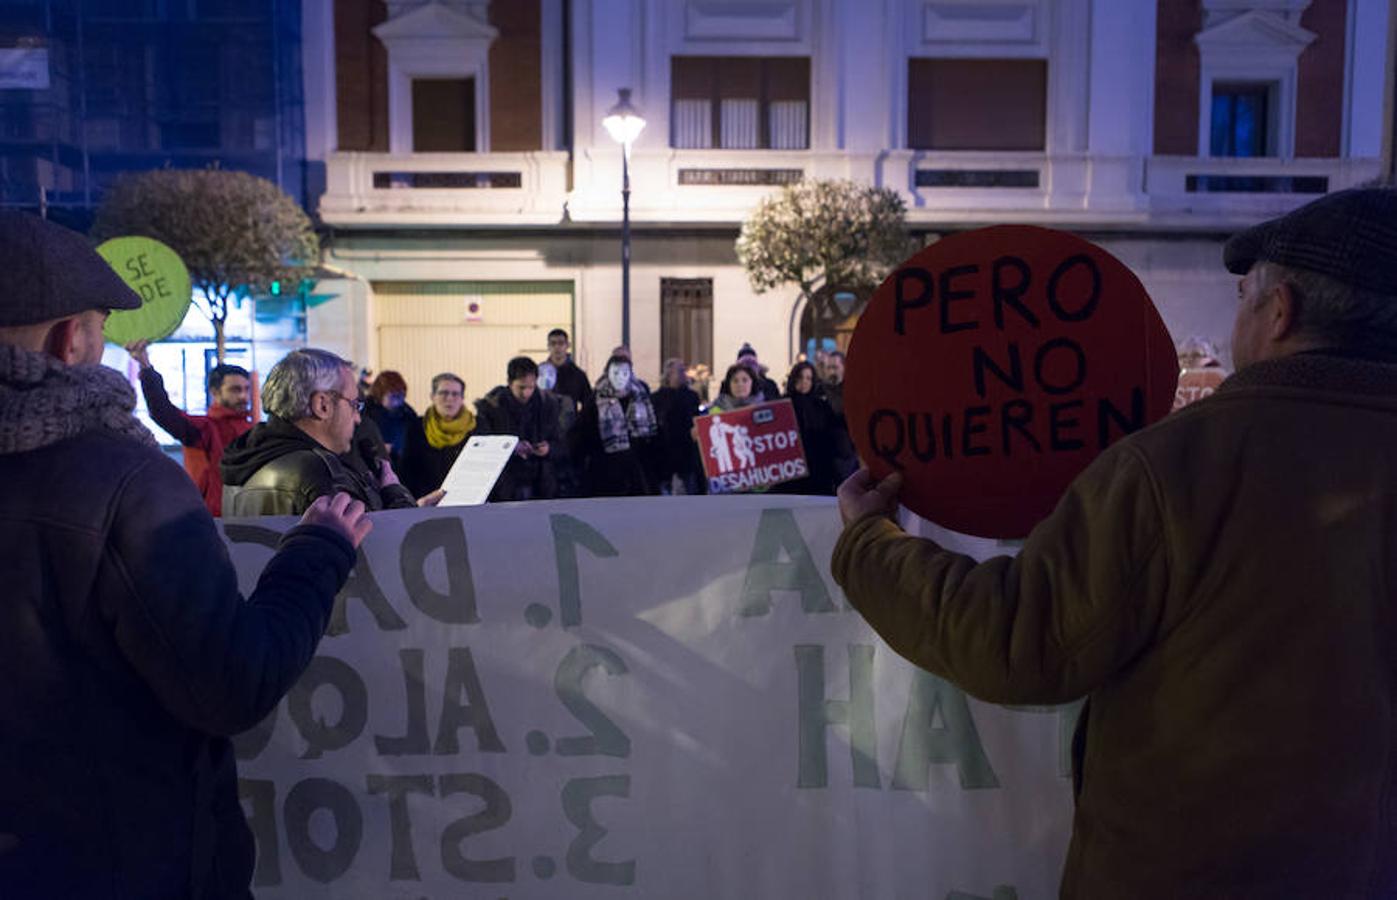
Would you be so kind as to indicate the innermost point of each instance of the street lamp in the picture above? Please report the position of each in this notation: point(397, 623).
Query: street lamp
point(624, 123)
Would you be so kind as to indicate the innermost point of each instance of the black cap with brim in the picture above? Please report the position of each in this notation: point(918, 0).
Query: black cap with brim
point(49, 272)
point(1350, 236)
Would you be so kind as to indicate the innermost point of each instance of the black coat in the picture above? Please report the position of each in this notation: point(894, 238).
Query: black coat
point(573, 382)
point(127, 659)
point(675, 408)
point(627, 473)
point(537, 421)
point(276, 469)
point(818, 426)
point(845, 457)
point(393, 425)
point(423, 466)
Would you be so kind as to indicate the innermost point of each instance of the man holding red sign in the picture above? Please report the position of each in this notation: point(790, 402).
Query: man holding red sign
point(1222, 586)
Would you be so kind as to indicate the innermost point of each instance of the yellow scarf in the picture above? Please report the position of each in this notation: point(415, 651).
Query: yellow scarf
point(442, 433)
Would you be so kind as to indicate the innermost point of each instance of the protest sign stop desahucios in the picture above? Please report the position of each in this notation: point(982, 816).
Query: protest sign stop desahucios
point(993, 366)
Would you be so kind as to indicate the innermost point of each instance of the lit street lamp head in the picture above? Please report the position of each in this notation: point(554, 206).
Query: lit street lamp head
point(623, 121)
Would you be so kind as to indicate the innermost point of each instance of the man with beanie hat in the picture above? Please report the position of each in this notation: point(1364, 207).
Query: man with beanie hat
point(1221, 587)
point(127, 656)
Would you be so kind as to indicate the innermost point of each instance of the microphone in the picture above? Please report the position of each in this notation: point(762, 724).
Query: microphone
point(369, 451)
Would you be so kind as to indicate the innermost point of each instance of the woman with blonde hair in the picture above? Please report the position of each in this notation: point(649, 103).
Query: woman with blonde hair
point(431, 449)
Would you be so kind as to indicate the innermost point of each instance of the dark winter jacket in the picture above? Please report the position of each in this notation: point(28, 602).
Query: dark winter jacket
point(393, 425)
point(818, 428)
point(424, 467)
point(276, 469)
point(622, 473)
point(676, 409)
point(845, 458)
point(535, 422)
point(573, 382)
point(127, 658)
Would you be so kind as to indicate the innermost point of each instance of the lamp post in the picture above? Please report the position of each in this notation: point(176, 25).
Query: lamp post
point(624, 123)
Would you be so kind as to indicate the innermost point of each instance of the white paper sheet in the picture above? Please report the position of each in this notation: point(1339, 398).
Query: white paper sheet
point(477, 469)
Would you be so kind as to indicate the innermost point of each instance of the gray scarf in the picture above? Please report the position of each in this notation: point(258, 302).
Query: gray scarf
point(617, 422)
point(43, 401)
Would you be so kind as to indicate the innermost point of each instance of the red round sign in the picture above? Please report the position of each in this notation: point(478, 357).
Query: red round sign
point(993, 366)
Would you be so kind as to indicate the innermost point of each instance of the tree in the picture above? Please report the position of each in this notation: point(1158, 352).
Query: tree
point(824, 236)
point(237, 233)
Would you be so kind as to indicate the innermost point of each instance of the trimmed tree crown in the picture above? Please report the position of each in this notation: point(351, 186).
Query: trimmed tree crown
point(236, 233)
point(819, 232)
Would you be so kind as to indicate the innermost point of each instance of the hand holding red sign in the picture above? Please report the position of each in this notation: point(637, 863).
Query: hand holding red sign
point(993, 366)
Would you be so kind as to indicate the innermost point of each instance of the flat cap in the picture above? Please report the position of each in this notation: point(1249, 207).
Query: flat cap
point(1350, 236)
point(49, 272)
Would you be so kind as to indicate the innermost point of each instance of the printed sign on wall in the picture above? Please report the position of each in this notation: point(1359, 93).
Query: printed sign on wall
point(993, 366)
point(751, 448)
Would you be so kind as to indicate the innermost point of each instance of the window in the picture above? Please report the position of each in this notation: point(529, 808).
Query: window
point(1248, 74)
point(740, 103)
point(976, 104)
point(443, 115)
point(1241, 120)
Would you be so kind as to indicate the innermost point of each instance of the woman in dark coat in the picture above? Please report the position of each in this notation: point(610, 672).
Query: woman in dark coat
point(432, 446)
point(387, 407)
point(614, 433)
point(817, 423)
point(676, 405)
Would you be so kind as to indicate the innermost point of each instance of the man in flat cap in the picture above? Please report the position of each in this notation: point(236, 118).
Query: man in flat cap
point(127, 655)
point(1230, 614)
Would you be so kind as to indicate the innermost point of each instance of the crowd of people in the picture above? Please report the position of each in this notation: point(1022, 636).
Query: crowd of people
point(612, 437)
point(1219, 586)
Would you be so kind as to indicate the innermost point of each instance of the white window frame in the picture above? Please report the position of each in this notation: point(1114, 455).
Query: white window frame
point(435, 41)
point(1256, 47)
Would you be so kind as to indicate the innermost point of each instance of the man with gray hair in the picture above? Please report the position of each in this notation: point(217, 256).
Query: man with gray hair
point(282, 465)
point(128, 657)
point(1221, 586)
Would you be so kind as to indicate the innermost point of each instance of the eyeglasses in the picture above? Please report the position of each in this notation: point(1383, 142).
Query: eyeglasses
point(354, 402)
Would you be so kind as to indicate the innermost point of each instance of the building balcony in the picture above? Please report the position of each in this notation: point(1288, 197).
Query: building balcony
point(719, 188)
point(985, 188)
point(1231, 192)
point(445, 189)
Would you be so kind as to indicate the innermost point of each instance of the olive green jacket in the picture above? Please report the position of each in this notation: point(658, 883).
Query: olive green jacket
point(1223, 588)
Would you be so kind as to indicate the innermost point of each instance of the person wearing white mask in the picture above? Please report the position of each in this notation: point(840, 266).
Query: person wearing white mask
point(615, 434)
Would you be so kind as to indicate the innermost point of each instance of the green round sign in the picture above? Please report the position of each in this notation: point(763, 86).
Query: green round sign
point(157, 274)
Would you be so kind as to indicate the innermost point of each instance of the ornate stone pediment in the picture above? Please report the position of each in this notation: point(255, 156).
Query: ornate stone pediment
point(1215, 12)
point(1254, 30)
point(463, 23)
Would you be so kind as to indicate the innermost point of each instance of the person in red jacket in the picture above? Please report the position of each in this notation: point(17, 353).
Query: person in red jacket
point(203, 437)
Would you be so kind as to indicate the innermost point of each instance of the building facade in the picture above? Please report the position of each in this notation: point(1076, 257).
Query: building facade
point(90, 89)
point(93, 89)
point(473, 197)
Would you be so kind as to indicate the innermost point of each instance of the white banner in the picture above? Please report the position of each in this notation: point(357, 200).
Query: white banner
point(658, 697)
